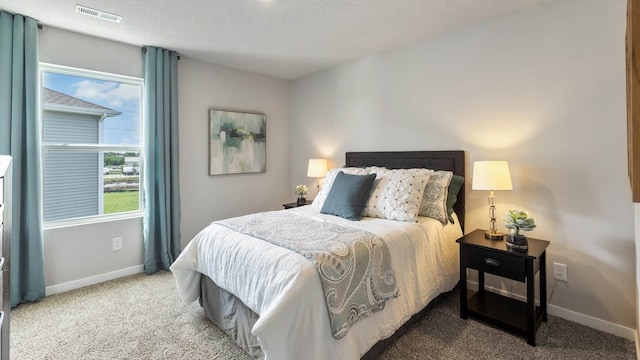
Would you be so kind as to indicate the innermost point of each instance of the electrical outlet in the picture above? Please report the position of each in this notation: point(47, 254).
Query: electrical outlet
point(560, 272)
point(116, 243)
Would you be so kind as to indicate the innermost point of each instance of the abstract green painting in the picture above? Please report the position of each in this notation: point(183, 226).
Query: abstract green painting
point(237, 142)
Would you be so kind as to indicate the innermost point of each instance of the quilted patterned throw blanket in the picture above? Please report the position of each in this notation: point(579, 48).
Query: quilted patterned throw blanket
point(354, 265)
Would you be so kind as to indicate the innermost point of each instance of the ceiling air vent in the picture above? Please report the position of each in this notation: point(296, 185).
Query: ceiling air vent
point(98, 13)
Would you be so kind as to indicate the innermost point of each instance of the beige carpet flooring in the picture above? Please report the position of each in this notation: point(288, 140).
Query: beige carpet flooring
point(141, 317)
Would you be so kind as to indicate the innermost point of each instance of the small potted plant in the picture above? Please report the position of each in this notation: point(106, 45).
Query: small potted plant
point(516, 221)
point(301, 191)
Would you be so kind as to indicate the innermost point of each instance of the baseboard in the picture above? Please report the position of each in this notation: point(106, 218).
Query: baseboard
point(76, 284)
point(586, 320)
point(592, 322)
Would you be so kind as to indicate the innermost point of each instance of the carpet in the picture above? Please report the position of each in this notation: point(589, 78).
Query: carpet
point(141, 317)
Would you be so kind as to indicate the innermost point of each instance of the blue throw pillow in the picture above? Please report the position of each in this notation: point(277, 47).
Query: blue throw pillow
point(348, 195)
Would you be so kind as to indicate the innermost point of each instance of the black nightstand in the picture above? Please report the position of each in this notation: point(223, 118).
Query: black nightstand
point(295, 204)
point(493, 257)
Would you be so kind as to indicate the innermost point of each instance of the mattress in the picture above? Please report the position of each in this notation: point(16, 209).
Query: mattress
point(284, 289)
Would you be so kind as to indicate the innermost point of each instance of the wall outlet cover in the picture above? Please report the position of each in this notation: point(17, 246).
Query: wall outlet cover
point(117, 243)
point(560, 272)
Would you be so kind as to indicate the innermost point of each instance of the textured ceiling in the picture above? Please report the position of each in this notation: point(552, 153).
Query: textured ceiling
point(282, 38)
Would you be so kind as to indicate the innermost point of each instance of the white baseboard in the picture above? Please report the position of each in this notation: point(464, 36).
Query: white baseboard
point(76, 284)
point(586, 320)
point(592, 322)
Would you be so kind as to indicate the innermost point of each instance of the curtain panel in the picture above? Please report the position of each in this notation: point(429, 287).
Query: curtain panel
point(161, 190)
point(19, 137)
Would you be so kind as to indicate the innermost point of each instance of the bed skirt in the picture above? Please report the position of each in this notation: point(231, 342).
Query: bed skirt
point(236, 320)
point(231, 315)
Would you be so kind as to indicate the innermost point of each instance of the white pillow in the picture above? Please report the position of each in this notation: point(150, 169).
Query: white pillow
point(434, 198)
point(397, 194)
point(328, 182)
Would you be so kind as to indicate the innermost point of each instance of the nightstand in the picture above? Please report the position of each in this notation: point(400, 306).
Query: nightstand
point(295, 204)
point(493, 257)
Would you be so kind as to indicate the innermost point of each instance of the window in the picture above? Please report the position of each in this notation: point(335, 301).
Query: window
point(91, 144)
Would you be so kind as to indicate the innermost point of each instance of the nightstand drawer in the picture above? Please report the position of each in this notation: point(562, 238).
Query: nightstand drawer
point(511, 267)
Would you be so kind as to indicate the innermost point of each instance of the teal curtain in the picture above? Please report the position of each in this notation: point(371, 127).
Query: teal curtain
point(162, 190)
point(19, 137)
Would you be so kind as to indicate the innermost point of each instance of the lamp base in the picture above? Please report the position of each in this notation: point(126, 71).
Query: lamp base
point(493, 236)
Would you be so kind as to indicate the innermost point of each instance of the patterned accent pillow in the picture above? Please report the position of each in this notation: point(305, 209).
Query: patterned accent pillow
point(434, 197)
point(397, 194)
point(328, 182)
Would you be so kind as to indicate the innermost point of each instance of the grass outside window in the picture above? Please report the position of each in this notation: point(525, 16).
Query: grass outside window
point(121, 201)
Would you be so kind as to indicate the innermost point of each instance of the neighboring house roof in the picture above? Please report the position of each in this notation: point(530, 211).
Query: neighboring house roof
point(57, 101)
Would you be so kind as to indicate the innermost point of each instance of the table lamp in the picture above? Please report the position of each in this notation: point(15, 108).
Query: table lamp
point(317, 168)
point(491, 175)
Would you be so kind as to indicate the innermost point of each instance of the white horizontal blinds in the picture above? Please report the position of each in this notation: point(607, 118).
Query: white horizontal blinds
point(65, 128)
point(70, 184)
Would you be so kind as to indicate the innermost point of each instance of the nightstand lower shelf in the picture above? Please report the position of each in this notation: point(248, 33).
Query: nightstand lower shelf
point(501, 311)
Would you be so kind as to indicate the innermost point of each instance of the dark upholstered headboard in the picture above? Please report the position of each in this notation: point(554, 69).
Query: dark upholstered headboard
point(436, 160)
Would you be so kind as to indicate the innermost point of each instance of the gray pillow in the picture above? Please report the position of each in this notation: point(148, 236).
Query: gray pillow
point(348, 195)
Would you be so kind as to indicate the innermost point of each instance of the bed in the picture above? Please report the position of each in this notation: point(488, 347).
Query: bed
point(270, 299)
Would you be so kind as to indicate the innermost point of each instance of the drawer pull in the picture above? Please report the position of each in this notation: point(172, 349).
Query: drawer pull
point(492, 262)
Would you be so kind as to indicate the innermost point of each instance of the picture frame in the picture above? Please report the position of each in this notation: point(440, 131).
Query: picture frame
point(237, 142)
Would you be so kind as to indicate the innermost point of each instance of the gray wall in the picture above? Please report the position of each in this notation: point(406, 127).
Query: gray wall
point(543, 88)
point(207, 198)
point(79, 255)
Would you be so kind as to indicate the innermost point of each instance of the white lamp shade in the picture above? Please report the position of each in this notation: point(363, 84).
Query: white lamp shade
point(491, 175)
point(317, 168)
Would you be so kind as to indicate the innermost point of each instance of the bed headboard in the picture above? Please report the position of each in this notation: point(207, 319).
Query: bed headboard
point(436, 160)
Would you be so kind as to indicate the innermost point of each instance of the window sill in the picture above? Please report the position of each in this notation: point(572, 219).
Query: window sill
point(92, 220)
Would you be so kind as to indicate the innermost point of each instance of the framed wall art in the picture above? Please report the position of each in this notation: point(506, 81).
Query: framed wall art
point(237, 142)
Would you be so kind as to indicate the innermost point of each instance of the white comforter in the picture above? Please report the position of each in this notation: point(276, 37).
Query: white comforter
point(284, 288)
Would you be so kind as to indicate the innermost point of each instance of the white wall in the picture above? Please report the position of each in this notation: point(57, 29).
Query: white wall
point(79, 255)
point(543, 88)
point(637, 233)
